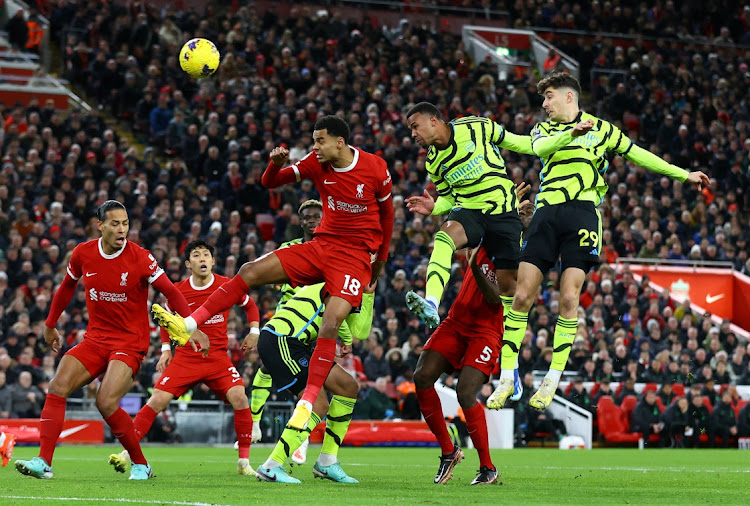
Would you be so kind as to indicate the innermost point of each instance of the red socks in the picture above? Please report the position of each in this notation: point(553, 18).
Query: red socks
point(144, 420)
point(123, 429)
point(222, 299)
point(477, 426)
point(51, 424)
point(243, 426)
point(320, 365)
point(432, 410)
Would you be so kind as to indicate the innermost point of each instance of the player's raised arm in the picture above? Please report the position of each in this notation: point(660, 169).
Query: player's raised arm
point(544, 145)
point(275, 176)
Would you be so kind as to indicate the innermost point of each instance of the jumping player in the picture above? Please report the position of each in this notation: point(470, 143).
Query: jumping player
point(355, 188)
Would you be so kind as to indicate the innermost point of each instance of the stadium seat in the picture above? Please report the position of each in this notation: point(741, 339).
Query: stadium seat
point(612, 423)
point(707, 403)
point(678, 389)
point(627, 406)
point(568, 389)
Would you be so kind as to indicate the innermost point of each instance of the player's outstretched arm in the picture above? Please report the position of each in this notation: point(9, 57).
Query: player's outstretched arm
point(650, 161)
point(489, 289)
point(545, 145)
point(518, 143)
point(60, 301)
point(253, 320)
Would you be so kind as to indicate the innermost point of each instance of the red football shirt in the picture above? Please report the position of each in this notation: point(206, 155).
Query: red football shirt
point(470, 307)
point(116, 292)
point(216, 326)
point(351, 198)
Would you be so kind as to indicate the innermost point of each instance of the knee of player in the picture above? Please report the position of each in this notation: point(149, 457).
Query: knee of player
point(106, 404)
point(569, 301)
point(249, 272)
point(58, 387)
point(422, 379)
point(329, 330)
point(237, 398)
point(467, 397)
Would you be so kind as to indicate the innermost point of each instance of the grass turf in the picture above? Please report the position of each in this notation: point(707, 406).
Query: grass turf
point(207, 475)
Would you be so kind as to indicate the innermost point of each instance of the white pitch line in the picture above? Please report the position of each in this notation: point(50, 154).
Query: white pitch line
point(102, 499)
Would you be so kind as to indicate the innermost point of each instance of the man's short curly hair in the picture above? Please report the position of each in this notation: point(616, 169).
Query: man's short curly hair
point(309, 203)
point(558, 80)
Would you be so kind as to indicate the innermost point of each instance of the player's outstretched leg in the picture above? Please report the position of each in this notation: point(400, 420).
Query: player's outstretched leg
point(337, 424)
point(425, 309)
point(7, 443)
point(565, 332)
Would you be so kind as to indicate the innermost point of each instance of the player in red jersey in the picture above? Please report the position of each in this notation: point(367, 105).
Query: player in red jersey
point(187, 368)
point(355, 188)
point(468, 340)
point(116, 275)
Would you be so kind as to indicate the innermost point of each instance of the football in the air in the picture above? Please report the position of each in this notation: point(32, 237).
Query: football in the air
point(199, 58)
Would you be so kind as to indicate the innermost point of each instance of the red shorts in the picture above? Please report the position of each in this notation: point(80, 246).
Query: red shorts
point(462, 346)
point(344, 270)
point(218, 373)
point(96, 357)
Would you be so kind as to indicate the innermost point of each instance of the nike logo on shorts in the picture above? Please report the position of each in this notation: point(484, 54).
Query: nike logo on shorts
point(89, 274)
point(325, 181)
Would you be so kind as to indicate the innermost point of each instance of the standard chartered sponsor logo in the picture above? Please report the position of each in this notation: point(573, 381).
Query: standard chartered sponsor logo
point(217, 318)
point(107, 296)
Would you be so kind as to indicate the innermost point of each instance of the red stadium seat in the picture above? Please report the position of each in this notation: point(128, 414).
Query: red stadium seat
point(612, 423)
point(707, 403)
point(678, 389)
point(568, 389)
point(627, 406)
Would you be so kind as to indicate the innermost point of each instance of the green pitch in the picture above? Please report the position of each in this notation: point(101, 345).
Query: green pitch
point(207, 475)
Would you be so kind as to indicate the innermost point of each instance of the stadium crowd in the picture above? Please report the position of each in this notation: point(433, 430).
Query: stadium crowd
point(209, 142)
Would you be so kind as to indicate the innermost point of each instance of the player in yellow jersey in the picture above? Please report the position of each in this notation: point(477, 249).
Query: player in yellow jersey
point(573, 146)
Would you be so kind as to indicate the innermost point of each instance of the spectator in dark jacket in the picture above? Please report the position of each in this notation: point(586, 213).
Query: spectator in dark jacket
point(375, 404)
point(18, 31)
point(579, 396)
point(26, 400)
point(376, 365)
point(4, 397)
point(646, 417)
point(666, 394)
point(627, 389)
point(605, 389)
point(676, 419)
point(700, 420)
point(723, 422)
